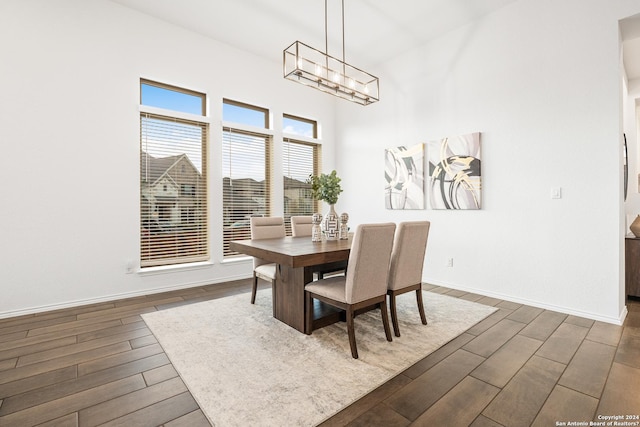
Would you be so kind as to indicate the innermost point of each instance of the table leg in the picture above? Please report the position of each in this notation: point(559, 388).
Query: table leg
point(289, 295)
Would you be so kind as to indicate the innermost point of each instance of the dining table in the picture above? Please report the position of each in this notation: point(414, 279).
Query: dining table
point(296, 259)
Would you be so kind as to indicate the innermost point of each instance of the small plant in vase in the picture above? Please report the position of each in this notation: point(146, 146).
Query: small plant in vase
point(326, 187)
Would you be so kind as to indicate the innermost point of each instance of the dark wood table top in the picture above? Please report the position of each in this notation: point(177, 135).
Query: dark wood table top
point(295, 251)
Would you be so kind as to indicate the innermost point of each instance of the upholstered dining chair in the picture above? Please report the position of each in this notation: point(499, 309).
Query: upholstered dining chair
point(405, 270)
point(265, 228)
point(365, 283)
point(301, 225)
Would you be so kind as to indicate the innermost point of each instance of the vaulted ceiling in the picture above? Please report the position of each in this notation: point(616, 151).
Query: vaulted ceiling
point(374, 30)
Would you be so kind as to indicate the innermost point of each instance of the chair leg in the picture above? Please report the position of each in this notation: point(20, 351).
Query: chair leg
point(254, 289)
point(421, 306)
point(385, 320)
point(394, 314)
point(352, 333)
point(309, 313)
point(273, 296)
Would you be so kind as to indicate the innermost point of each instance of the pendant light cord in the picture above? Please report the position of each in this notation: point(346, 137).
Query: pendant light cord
point(326, 31)
point(343, 60)
point(326, 39)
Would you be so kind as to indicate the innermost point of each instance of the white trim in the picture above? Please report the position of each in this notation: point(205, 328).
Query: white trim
point(237, 259)
point(301, 138)
point(172, 113)
point(115, 297)
point(616, 321)
point(247, 128)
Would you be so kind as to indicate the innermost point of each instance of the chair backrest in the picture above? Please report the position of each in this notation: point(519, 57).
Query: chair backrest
point(301, 225)
point(266, 228)
point(369, 261)
point(407, 258)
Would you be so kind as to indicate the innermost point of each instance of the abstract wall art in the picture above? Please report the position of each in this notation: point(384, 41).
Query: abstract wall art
point(404, 176)
point(454, 172)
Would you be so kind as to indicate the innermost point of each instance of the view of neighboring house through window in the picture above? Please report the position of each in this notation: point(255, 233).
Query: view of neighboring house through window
point(173, 175)
point(301, 158)
point(246, 169)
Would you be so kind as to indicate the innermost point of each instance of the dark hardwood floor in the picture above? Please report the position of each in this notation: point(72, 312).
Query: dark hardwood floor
point(100, 365)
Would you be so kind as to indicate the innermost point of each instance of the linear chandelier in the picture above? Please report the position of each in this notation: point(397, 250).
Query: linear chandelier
point(313, 68)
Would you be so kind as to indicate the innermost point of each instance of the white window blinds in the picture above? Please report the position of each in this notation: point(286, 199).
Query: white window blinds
point(173, 191)
point(246, 171)
point(300, 159)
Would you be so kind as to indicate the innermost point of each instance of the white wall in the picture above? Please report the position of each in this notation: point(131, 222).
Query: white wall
point(69, 132)
point(540, 79)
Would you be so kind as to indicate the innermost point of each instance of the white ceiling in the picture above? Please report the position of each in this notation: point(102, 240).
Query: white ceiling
point(375, 30)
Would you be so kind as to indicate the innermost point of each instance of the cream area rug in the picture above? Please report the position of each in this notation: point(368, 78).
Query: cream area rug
point(245, 368)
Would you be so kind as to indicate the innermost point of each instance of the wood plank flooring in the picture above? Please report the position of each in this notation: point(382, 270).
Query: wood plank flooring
point(100, 365)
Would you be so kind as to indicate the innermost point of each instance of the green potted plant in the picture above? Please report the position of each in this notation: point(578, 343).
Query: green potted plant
point(326, 187)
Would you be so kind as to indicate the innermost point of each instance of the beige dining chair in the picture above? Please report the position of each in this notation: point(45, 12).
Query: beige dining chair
point(265, 228)
point(365, 284)
point(405, 270)
point(301, 225)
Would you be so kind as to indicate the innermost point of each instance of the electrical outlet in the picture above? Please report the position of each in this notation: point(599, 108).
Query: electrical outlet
point(450, 262)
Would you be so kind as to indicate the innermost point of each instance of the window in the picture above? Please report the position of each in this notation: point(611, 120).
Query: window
point(245, 114)
point(173, 176)
point(187, 189)
point(173, 98)
point(246, 170)
point(299, 160)
point(299, 126)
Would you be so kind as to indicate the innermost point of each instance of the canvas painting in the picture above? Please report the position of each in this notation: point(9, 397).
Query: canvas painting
point(455, 173)
point(404, 177)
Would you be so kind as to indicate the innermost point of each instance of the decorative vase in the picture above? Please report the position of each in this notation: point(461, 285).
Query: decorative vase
point(330, 224)
point(635, 226)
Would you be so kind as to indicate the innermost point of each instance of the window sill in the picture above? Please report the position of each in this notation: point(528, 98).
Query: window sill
point(148, 271)
point(236, 260)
